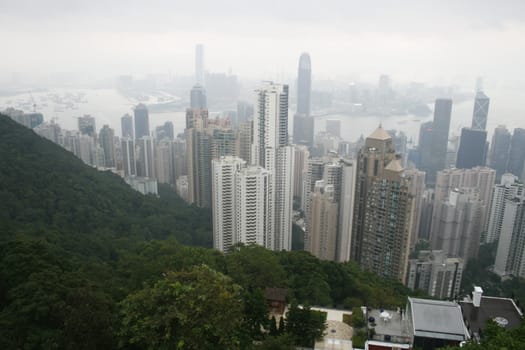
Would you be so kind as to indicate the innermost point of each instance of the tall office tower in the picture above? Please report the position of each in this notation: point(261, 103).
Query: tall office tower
point(382, 227)
point(425, 146)
point(271, 150)
point(508, 188)
point(510, 255)
point(86, 125)
point(457, 223)
point(141, 121)
point(303, 129)
point(222, 143)
point(301, 156)
point(434, 273)
point(481, 111)
point(199, 64)
point(146, 157)
point(416, 189)
point(198, 97)
point(452, 152)
point(472, 150)
point(126, 126)
point(224, 170)
point(304, 85)
point(128, 157)
point(323, 223)
point(439, 139)
point(499, 150)
point(198, 156)
point(164, 166)
point(106, 139)
point(118, 154)
point(244, 140)
point(517, 153)
point(333, 127)
point(244, 113)
point(165, 131)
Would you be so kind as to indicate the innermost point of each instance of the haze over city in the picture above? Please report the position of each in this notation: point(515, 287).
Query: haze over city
point(241, 175)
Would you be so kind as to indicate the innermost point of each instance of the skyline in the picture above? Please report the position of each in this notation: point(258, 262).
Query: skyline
point(447, 44)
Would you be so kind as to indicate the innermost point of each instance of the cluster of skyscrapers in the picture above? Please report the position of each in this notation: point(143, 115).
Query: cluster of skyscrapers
point(371, 201)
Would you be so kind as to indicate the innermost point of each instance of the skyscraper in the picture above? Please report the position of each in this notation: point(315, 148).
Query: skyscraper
point(198, 97)
point(146, 157)
point(425, 146)
point(86, 125)
point(198, 150)
point(240, 204)
point(199, 64)
point(303, 122)
point(457, 223)
point(499, 150)
point(126, 125)
point(107, 142)
point(271, 150)
point(141, 121)
point(165, 131)
point(517, 152)
point(223, 201)
point(472, 150)
point(481, 111)
point(439, 139)
point(128, 157)
point(304, 84)
point(507, 189)
point(382, 227)
point(300, 169)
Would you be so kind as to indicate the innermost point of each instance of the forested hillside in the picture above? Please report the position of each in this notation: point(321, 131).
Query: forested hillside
point(88, 263)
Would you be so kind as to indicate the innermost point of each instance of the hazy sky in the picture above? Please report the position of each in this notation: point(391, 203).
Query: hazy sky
point(441, 41)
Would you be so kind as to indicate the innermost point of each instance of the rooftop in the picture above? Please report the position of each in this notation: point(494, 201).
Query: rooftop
point(390, 326)
point(380, 134)
point(437, 319)
point(503, 310)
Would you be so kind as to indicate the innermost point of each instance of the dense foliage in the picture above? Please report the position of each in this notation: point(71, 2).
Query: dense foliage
point(497, 338)
point(88, 263)
point(477, 272)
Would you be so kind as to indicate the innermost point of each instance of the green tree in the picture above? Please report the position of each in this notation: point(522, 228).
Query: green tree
point(304, 326)
point(195, 309)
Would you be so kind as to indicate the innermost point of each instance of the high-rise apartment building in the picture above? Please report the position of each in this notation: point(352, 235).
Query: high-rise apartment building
point(146, 157)
point(141, 121)
point(499, 150)
point(508, 189)
point(300, 169)
point(382, 226)
point(417, 190)
point(481, 111)
point(241, 202)
point(472, 150)
point(328, 223)
point(128, 156)
point(126, 125)
point(436, 274)
point(272, 151)
point(457, 223)
point(244, 140)
point(510, 255)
